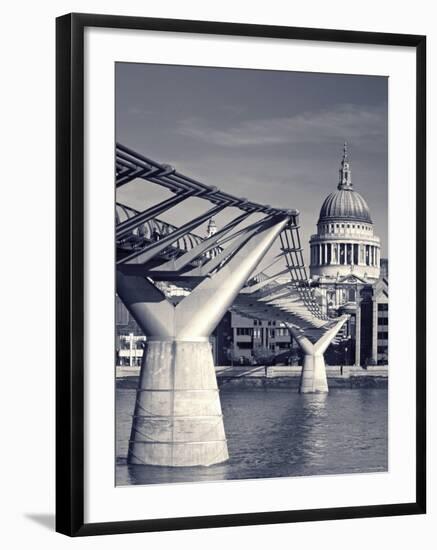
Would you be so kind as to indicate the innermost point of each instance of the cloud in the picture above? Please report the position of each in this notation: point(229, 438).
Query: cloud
point(140, 111)
point(358, 124)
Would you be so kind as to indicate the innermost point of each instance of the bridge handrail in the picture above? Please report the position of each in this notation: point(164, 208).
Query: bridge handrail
point(131, 165)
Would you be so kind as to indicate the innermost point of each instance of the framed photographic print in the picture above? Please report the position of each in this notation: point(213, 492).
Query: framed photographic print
point(240, 274)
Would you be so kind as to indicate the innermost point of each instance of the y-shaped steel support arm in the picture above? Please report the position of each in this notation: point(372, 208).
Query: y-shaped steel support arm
point(313, 378)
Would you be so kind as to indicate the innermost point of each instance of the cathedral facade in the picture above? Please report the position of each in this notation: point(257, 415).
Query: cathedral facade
point(345, 268)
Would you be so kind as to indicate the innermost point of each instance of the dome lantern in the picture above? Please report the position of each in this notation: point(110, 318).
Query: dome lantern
point(345, 203)
point(345, 181)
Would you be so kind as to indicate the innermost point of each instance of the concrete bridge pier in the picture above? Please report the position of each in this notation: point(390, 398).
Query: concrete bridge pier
point(177, 419)
point(313, 378)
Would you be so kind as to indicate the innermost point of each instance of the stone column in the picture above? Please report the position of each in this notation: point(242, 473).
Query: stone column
point(358, 335)
point(374, 330)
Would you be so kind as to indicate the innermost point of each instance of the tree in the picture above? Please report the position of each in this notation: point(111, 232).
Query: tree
point(263, 355)
point(231, 356)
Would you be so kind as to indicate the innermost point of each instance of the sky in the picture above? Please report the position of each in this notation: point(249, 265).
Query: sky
point(275, 137)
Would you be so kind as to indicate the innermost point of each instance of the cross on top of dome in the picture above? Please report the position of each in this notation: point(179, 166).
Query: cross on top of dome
point(345, 181)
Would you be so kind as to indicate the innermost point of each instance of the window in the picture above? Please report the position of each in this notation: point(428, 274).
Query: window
point(382, 335)
point(382, 349)
point(383, 321)
point(244, 345)
point(271, 332)
point(351, 295)
point(243, 331)
point(382, 307)
point(284, 345)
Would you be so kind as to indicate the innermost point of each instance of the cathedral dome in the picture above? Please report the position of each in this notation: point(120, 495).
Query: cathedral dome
point(345, 203)
point(345, 245)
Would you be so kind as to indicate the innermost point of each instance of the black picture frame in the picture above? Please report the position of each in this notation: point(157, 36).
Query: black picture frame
point(70, 273)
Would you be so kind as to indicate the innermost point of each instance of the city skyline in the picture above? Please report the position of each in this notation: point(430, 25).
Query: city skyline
point(273, 136)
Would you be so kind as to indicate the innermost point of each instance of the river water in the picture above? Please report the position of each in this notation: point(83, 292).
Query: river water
point(276, 432)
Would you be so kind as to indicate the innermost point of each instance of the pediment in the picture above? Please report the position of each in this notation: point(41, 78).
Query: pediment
point(351, 279)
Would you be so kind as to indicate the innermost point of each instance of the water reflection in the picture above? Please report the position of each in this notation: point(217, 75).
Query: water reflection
point(278, 432)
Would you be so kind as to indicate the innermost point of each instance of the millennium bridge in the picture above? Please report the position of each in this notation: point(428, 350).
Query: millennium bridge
point(253, 265)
